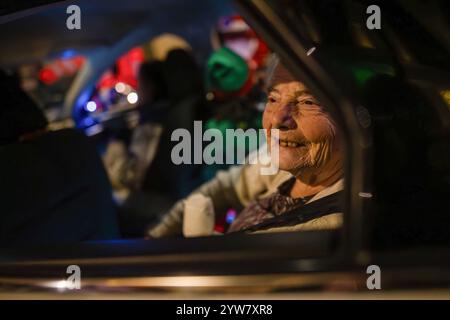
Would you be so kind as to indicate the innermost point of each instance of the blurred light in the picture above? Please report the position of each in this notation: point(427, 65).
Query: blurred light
point(68, 54)
point(261, 106)
point(446, 96)
point(310, 51)
point(47, 76)
point(132, 97)
point(91, 106)
point(365, 194)
point(231, 216)
point(87, 122)
point(219, 229)
point(60, 286)
point(120, 87)
point(362, 75)
point(93, 130)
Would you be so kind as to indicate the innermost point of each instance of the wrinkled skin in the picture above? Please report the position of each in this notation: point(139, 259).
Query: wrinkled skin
point(309, 142)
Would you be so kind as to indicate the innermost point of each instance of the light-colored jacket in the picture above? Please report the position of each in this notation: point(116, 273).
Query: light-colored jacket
point(126, 168)
point(236, 188)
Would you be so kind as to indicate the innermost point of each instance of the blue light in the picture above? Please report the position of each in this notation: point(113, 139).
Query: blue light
point(231, 216)
point(87, 122)
point(83, 98)
point(91, 106)
point(66, 54)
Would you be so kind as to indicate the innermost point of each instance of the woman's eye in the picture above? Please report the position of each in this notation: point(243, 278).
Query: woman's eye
point(308, 102)
point(272, 100)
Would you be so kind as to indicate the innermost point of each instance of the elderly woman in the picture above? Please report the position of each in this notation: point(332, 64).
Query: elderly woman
point(310, 163)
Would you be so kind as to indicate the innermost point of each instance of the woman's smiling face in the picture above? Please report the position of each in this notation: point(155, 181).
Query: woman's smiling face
point(306, 132)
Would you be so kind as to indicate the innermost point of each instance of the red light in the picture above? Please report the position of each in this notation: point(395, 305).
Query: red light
point(47, 76)
point(219, 228)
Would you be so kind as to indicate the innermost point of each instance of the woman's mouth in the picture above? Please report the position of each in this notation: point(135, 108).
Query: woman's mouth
point(291, 144)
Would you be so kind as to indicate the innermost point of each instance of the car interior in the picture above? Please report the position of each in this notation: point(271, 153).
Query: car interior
point(64, 204)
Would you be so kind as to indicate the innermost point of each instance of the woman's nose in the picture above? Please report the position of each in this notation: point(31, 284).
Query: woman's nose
point(282, 118)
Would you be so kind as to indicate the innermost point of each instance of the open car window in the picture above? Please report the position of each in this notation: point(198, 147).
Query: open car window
point(140, 201)
point(397, 89)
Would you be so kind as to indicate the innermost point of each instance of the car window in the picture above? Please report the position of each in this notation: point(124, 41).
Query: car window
point(397, 78)
point(234, 82)
point(166, 143)
point(180, 116)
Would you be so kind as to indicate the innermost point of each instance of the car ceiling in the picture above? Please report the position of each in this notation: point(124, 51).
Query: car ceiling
point(37, 32)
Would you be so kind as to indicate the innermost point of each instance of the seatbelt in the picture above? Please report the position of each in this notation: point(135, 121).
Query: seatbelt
point(310, 211)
